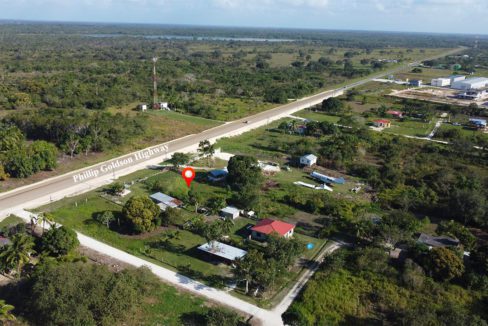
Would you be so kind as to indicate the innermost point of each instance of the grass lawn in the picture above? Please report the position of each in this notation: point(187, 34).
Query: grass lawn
point(165, 305)
point(410, 128)
point(464, 131)
point(173, 255)
point(10, 220)
point(263, 143)
point(214, 163)
point(317, 116)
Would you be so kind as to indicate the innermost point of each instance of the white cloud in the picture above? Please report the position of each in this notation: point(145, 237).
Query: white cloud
point(283, 4)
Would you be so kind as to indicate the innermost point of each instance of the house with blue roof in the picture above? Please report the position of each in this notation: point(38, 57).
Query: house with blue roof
point(479, 124)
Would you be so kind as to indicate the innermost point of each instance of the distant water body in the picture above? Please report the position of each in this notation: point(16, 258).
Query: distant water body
point(195, 38)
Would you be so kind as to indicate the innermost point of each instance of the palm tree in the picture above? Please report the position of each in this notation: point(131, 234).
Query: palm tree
point(18, 252)
point(33, 223)
point(244, 270)
point(45, 218)
point(227, 226)
point(5, 311)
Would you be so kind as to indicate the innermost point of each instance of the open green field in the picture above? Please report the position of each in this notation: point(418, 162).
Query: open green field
point(166, 305)
point(263, 143)
point(410, 128)
point(464, 131)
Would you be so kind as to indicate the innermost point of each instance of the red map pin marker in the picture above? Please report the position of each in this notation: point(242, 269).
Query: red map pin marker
point(188, 174)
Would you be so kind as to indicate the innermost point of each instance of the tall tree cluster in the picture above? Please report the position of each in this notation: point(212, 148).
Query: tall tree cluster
point(20, 159)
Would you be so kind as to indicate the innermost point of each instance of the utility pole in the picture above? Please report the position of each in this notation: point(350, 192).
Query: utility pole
point(155, 84)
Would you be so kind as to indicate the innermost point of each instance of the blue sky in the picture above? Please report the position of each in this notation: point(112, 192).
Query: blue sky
point(458, 16)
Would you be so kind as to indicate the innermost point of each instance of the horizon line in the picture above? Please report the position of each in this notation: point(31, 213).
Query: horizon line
point(15, 20)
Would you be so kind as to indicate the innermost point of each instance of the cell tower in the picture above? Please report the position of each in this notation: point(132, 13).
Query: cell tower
point(155, 84)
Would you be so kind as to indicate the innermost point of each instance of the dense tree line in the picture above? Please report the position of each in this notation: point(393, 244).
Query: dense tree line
point(52, 131)
point(346, 39)
point(97, 72)
point(20, 159)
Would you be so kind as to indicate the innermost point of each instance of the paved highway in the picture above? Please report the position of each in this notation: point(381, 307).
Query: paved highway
point(87, 179)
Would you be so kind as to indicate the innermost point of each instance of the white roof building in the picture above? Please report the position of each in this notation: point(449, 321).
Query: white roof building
point(230, 212)
point(308, 160)
point(222, 250)
point(269, 167)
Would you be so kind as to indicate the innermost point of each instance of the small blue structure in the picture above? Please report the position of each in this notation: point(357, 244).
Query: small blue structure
point(478, 123)
point(327, 179)
point(415, 83)
point(310, 246)
point(217, 175)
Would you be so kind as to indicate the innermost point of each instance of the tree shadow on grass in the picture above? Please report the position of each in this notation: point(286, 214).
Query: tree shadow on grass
point(168, 246)
point(193, 319)
point(118, 224)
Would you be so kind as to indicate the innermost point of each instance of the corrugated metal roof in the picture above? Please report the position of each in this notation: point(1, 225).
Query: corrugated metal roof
point(165, 199)
point(474, 80)
point(222, 250)
point(310, 157)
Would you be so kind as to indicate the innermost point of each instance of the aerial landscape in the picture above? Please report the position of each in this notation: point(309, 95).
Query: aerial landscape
point(228, 162)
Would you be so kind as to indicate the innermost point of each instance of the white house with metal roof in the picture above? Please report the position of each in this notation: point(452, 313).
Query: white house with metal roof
point(308, 160)
point(230, 212)
point(222, 250)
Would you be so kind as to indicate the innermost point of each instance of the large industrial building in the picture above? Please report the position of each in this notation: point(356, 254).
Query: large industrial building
point(471, 83)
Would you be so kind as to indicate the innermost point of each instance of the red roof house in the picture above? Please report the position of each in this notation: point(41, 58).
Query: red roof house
point(268, 226)
point(382, 123)
point(396, 114)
